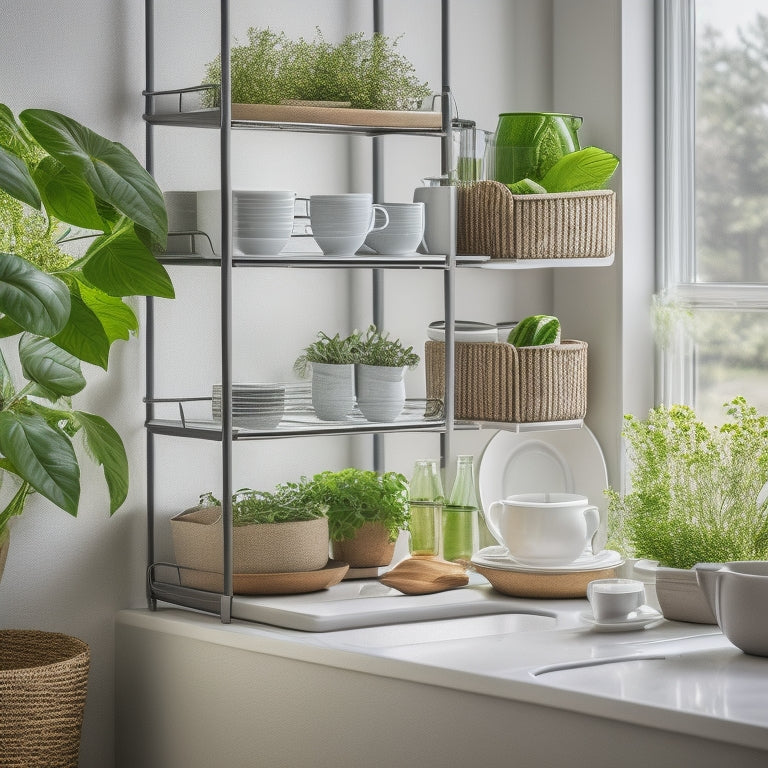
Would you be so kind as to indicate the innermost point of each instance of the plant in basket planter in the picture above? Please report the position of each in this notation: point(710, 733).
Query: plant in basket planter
point(366, 512)
point(696, 495)
point(80, 223)
point(331, 361)
point(381, 366)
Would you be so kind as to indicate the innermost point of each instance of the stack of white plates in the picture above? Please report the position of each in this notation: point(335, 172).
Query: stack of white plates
point(500, 559)
point(263, 220)
point(254, 406)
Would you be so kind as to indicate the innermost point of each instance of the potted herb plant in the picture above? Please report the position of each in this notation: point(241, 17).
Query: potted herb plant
point(331, 361)
point(62, 186)
point(273, 532)
point(380, 375)
point(696, 495)
point(366, 512)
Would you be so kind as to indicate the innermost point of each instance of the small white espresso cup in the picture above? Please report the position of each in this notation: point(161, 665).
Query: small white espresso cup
point(615, 599)
point(340, 223)
point(544, 529)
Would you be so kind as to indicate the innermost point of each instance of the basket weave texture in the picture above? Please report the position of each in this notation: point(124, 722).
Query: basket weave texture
point(43, 685)
point(569, 225)
point(500, 382)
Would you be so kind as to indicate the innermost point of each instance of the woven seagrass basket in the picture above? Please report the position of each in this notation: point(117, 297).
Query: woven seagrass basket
point(570, 225)
point(499, 382)
point(43, 685)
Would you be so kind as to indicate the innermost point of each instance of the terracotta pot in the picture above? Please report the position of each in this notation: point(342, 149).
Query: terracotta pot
point(259, 548)
point(369, 548)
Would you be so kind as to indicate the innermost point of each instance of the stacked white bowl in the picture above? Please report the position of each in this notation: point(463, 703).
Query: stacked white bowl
point(263, 220)
point(404, 232)
point(254, 406)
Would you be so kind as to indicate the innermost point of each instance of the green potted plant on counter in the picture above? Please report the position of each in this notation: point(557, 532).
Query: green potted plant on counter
point(696, 495)
point(380, 375)
point(64, 186)
point(366, 512)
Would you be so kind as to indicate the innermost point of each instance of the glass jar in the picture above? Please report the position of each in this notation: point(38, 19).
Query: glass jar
point(426, 498)
point(460, 515)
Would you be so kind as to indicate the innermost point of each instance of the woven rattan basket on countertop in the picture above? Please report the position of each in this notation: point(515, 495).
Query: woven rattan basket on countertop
point(569, 225)
point(499, 382)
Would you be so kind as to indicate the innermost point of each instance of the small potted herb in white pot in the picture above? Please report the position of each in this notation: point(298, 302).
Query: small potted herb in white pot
point(694, 497)
point(331, 361)
point(380, 375)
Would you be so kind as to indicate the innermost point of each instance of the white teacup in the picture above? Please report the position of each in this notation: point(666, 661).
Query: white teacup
point(340, 223)
point(403, 234)
point(544, 529)
point(615, 599)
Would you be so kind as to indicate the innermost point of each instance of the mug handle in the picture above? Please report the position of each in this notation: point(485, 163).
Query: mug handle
point(491, 520)
point(372, 226)
point(592, 518)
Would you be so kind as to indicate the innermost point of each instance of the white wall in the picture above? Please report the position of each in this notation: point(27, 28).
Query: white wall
point(85, 58)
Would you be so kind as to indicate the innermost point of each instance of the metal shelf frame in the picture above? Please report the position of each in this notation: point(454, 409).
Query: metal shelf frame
point(221, 119)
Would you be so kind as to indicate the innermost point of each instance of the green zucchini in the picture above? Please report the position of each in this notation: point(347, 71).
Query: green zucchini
point(534, 331)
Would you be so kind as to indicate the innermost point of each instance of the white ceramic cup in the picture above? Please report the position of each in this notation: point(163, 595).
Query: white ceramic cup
point(544, 529)
point(403, 234)
point(615, 599)
point(340, 223)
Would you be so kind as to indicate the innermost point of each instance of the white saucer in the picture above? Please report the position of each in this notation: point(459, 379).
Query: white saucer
point(608, 558)
point(643, 617)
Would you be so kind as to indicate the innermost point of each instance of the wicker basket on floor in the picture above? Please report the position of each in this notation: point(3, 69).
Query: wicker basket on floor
point(500, 382)
point(43, 685)
point(569, 225)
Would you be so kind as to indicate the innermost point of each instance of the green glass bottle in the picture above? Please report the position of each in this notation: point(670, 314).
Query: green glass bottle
point(426, 502)
point(459, 519)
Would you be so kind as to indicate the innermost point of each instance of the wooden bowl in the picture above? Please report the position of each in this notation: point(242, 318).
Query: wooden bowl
point(548, 585)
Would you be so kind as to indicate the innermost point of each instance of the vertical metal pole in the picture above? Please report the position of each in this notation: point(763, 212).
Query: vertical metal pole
point(377, 276)
point(149, 336)
point(226, 310)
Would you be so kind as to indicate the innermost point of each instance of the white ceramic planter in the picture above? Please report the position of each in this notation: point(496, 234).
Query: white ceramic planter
point(380, 391)
point(333, 391)
point(678, 592)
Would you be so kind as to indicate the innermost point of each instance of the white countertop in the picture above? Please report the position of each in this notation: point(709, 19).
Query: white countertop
point(679, 677)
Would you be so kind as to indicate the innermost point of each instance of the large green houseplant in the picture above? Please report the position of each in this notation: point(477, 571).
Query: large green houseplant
point(80, 223)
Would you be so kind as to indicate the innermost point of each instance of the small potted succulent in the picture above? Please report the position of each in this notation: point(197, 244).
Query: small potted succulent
point(331, 361)
point(697, 494)
point(380, 375)
point(273, 532)
point(366, 512)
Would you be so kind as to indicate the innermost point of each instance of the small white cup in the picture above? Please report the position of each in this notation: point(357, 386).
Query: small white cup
point(615, 599)
point(403, 234)
point(544, 529)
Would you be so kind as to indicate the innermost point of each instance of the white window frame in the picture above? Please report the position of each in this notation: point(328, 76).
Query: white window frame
point(675, 200)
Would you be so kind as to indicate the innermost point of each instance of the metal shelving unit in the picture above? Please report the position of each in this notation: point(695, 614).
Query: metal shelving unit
point(226, 433)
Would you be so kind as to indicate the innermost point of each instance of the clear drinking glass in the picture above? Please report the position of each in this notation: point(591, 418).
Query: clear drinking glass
point(426, 503)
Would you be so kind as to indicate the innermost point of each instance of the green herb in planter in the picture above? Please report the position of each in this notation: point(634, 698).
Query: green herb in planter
point(284, 505)
point(694, 489)
point(369, 73)
point(376, 348)
point(329, 349)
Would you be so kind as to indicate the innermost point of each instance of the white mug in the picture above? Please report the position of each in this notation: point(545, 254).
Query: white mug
point(340, 223)
point(615, 599)
point(403, 234)
point(544, 529)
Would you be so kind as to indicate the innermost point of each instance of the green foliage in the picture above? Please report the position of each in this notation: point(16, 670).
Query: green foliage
point(357, 496)
point(286, 504)
point(588, 168)
point(61, 183)
point(376, 348)
point(367, 72)
point(534, 331)
point(334, 350)
point(693, 488)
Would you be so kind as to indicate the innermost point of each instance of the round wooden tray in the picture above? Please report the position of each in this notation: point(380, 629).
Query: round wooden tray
point(552, 585)
point(289, 583)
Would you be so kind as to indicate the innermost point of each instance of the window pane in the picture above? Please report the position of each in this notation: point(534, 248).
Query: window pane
point(731, 359)
point(731, 141)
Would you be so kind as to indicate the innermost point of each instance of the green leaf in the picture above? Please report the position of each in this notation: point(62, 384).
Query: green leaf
point(7, 388)
point(16, 180)
point(15, 139)
point(38, 302)
point(116, 317)
point(43, 456)
point(8, 327)
point(50, 366)
point(84, 335)
point(526, 187)
point(106, 448)
point(110, 169)
point(588, 168)
point(121, 265)
point(66, 196)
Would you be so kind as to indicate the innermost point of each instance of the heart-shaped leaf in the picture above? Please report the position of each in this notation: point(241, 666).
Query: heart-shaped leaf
point(16, 180)
point(50, 366)
point(43, 456)
point(83, 335)
point(588, 168)
point(36, 301)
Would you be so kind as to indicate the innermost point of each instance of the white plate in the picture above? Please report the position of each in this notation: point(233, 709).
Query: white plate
point(605, 559)
point(554, 461)
point(643, 617)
